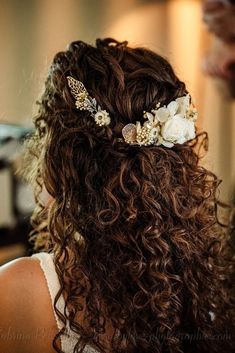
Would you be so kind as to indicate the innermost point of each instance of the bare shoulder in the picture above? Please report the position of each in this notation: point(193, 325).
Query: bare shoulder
point(19, 276)
point(27, 321)
point(20, 281)
point(26, 266)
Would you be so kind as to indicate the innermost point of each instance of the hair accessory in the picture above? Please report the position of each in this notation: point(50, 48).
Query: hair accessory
point(85, 102)
point(167, 125)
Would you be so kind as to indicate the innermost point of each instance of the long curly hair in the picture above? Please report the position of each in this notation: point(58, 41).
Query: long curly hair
point(138, 247)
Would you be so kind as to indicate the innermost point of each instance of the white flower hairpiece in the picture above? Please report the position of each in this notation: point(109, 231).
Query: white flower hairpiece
point(167, 126)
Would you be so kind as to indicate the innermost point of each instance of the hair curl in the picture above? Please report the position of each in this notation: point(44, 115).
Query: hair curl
point(137, 241)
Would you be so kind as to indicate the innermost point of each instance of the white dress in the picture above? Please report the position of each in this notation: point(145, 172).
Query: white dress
point(69, 340)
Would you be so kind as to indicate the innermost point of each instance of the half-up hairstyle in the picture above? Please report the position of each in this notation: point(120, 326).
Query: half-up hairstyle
point(137, 244)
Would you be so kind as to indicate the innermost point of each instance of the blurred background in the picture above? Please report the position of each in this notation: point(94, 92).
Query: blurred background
point(32, 31)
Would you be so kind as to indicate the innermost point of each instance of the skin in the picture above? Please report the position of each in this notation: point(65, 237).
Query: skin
point(24, 326)
point(23, 294)
point(22, 284)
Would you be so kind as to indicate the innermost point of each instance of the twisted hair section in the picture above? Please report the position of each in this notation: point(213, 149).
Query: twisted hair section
point(135, 231)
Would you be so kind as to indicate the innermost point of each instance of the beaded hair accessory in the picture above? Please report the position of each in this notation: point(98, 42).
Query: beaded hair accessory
point(167, 125)
point(85, 102)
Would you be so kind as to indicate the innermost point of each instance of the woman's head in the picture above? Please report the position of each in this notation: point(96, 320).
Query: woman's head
point(124, 81)
point(147, 255)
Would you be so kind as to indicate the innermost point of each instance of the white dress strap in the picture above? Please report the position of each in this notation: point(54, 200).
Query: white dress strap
point(69, 338)
point(48, 268)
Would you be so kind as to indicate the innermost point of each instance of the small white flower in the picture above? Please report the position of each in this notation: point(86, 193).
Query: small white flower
point(153, 134)
point(162, 114)
point(102, 118)
point(173, 107)
point(179, 106)
point(149, 116)
point(177, 130)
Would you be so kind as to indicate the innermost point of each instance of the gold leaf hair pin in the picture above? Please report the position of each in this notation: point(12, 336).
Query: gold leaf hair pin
point(85, 102)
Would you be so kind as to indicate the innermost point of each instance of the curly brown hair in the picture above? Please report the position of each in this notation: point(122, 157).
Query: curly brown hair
point(138, 245)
